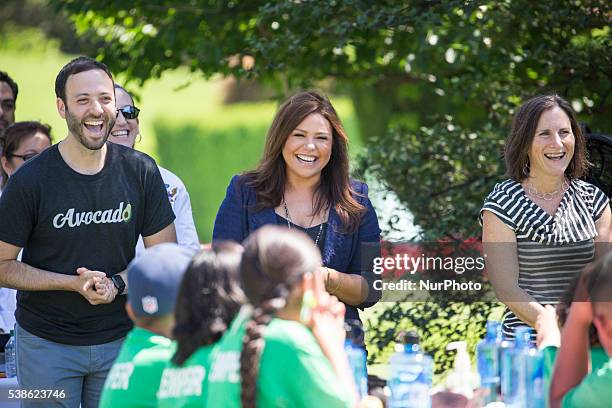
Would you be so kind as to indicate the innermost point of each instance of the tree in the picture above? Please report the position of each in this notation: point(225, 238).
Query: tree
point(394, 56)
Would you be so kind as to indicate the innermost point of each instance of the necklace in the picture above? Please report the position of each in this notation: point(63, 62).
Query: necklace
point(290, 222)
point(548, 196)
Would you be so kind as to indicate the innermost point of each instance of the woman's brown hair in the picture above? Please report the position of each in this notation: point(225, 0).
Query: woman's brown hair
point(269, 178)
point(12, 137)
point(275, 259)
point(521, 136)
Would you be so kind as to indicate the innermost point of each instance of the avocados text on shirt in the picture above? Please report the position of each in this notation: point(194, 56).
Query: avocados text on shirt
point(110, 216)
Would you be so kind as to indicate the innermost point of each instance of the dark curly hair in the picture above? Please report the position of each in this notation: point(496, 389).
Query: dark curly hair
point(208, 299)
point(76, 66)
point(4, 77)
point(275, 260)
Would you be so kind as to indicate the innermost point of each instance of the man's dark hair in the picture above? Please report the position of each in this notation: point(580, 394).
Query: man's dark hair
point(77, 65)
point(4, 77)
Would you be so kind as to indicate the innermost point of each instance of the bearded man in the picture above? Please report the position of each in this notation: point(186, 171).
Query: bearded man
point(77, 210)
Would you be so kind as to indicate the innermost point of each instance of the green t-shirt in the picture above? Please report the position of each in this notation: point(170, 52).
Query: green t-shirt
point(134, 378)
point(293, 373)
point(594, 391)
point(184, 386)
point(549, 354)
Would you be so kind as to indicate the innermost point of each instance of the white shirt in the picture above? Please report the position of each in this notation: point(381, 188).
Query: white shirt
point(186, 233)
point(8, 304)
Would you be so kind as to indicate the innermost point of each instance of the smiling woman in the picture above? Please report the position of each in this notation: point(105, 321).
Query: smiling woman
point(124, 132)
point(302, 182)
point(544, 224)
point(20, 143)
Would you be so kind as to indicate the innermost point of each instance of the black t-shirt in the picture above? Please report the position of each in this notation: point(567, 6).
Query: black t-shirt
point(65, 220)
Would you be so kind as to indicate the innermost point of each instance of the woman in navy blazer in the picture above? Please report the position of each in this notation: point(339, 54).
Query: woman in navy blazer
point(302, 182)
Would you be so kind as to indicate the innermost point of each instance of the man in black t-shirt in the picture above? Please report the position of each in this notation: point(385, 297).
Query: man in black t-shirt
point(77, 210)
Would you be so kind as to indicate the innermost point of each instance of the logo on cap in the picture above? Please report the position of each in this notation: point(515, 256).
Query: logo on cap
point(149, 304)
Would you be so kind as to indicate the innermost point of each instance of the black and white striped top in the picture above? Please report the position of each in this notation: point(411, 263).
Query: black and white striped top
point(552, 250)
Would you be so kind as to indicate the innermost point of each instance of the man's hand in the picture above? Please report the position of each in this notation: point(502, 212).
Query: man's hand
point(106, 288)
point(94, 286)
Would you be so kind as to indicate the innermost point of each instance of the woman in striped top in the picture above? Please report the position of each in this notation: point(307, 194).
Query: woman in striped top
point(543, 224)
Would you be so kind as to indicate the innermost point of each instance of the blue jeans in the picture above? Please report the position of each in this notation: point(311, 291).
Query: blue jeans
point(79, 371)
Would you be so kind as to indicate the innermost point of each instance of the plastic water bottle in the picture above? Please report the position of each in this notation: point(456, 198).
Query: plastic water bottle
point(514, 368)
point(410, 375)
point(487, 353)
point(10, 357)
point(357, 356)
point(535, 379)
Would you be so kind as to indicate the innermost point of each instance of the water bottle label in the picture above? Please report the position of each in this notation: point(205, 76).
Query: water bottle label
point(409, 395)
point(488, 366)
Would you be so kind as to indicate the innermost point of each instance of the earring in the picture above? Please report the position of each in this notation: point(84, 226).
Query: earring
point(526, 168)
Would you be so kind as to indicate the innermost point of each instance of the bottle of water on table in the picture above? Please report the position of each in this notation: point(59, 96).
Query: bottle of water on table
point(353, 345)
point(10, 357)
point(487, 353)
point(410, 375)
point(514, 368)
point(535, 379)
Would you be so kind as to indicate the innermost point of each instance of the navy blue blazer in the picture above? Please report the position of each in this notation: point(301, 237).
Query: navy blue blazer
point(349, 253)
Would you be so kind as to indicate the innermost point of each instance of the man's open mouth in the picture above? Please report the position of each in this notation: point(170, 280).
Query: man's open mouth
point(94, 126)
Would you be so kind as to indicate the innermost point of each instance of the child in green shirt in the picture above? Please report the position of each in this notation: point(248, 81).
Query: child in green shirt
point(548, 324)
point(572, 385)
point(153, 281)
point(288, 351)
point(209, 298)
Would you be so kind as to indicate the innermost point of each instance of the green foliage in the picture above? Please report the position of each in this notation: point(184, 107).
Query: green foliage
point(493, 53)
point(18, 15)
point(438, 323)
point(441, 172)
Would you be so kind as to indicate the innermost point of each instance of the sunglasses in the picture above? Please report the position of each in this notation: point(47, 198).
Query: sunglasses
point(129, 112)
point(25, 157)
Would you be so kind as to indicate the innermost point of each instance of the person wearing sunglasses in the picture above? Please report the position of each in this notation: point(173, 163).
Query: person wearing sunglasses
point(20, 142)
point(125, 132)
